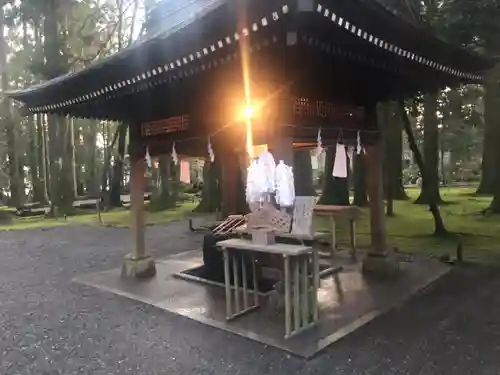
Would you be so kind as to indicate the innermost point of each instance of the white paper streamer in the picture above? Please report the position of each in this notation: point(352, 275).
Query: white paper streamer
point(253, 194)
point(358, 146)
point(210, 151)
point(350, 152)
point(268, 177)
point(340, 162)
point(319, 146)
point(285, 187)
point(148, 157)
point(175, 157)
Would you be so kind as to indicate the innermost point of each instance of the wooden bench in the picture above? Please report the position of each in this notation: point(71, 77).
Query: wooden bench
point(336, 213)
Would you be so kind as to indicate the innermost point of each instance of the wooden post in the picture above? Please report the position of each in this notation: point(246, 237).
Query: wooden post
point(137, 208)
point(137, 263)
point(376, 262)
point(375, 194)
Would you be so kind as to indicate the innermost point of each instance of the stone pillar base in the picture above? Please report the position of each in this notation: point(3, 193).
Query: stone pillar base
point(380, 265)
point(140, 268)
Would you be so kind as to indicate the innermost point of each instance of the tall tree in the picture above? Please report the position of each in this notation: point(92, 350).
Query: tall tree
point(117, 175)
point(475, 24)
point(430, 181)
point(393, 161)
point(16, 178)
point(491, 162)
point(211, 193)
point(54, 67)
point(439, 227)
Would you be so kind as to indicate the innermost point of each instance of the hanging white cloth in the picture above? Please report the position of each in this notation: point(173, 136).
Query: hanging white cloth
point(268, 165)
point(148, 157)
point(211, 154)
point(350, 152)
point(340, 162)
point(254, 183)
point(358, 145)
point(319, 144)
point(175, 157)
point(350, 155)
point(285, 187)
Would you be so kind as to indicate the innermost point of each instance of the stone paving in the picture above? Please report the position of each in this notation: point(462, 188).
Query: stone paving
point(49, 325)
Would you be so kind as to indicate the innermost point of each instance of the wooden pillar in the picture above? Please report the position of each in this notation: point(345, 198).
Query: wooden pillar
point(376, 196)
point(376, 262)
point(138, 263)
point(137, 208)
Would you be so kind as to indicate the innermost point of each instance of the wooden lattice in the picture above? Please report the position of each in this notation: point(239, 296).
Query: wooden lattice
point(267, 216)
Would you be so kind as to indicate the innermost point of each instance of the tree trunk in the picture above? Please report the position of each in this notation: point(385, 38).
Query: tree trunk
point(393, 162)
point(117, 174)
point(163, 196)
point(72, 154)
point(91, 170)
point(55, 162)
point(210, 194)
point(335, 190)
point(303, 176)
point(492, 133)
point(67, 176)
point(175, 182)
point(359, 176)
point(41, 160)
point(41, 193)
point(107, 156)
point(54, 67)
point(430, 182)
point(48, 155)
point(494, 207)
point(165, 168)
point(439, 228)
point(31, 124)
point(38, 195)
point(79, 158)
point(16, 180)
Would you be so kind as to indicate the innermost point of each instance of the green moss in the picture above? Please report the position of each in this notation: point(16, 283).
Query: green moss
point(412, 226)
point(409, 230)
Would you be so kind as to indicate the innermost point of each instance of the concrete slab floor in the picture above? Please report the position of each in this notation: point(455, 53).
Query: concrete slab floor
point(347, 300)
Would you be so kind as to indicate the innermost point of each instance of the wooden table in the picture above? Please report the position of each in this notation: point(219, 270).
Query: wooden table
point(350, 213)
point(301, 282)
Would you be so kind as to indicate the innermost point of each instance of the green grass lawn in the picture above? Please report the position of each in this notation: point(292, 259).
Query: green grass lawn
point(409, 230)
point(117, 218)
point(412, 226)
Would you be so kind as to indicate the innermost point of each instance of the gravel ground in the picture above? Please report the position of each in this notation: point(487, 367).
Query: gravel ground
point(49, 325)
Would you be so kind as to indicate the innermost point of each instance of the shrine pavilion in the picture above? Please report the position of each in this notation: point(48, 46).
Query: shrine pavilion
point(288, 66)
